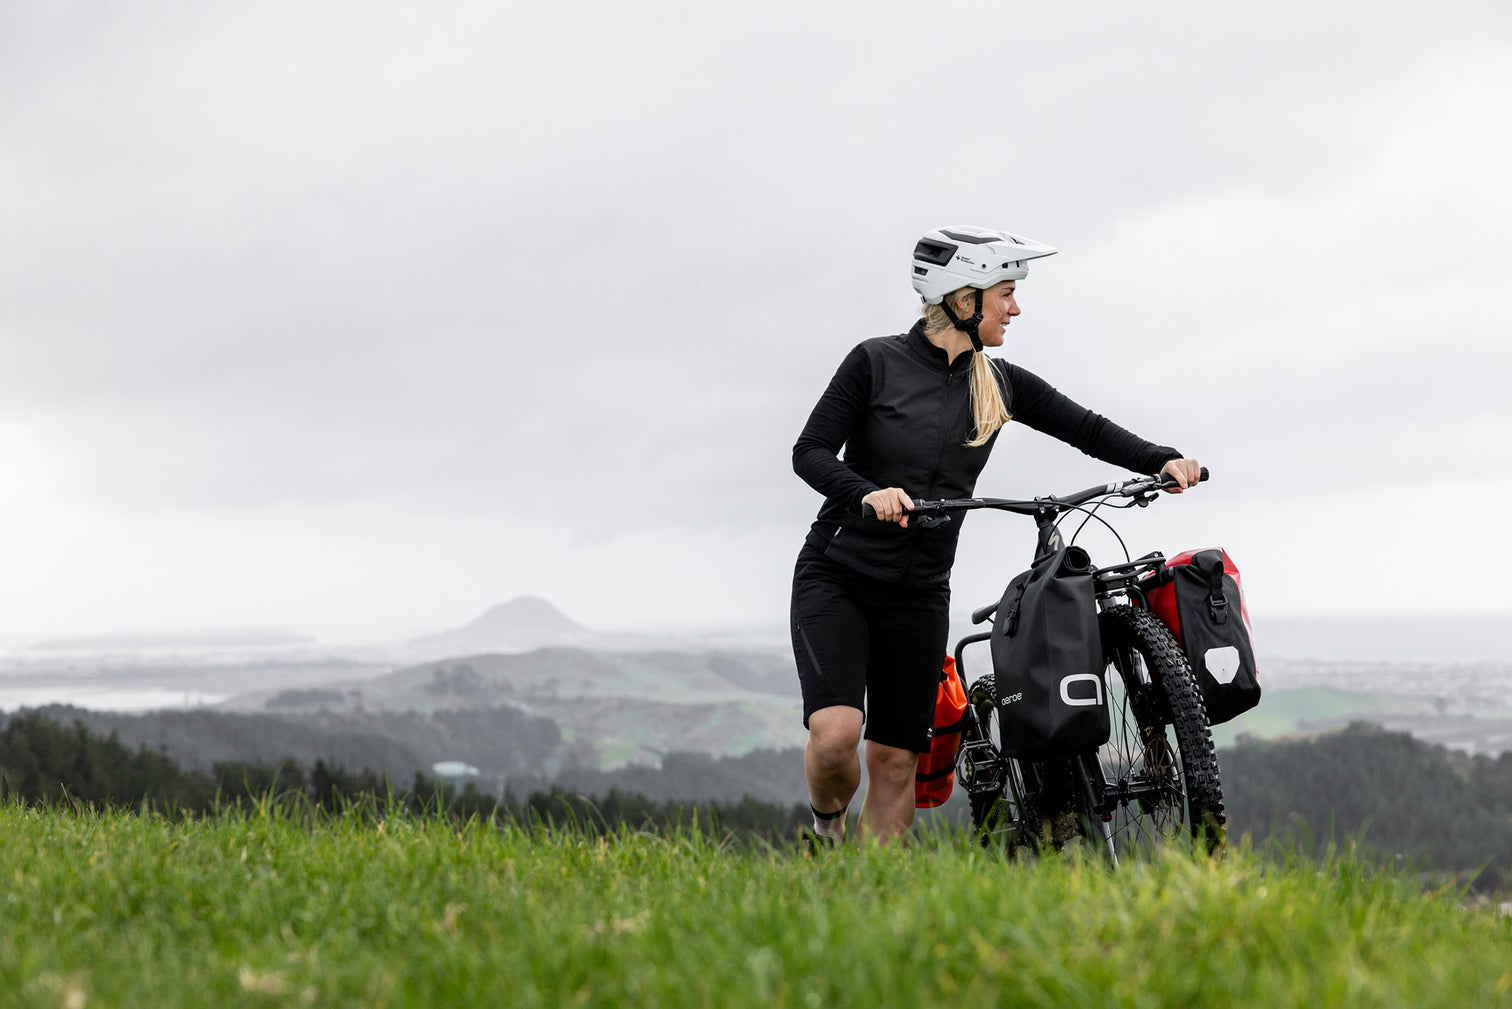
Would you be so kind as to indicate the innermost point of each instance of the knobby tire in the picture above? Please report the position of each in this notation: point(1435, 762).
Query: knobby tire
point(1160, 733)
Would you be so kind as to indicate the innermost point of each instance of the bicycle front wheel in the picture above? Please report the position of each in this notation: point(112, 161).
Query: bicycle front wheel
point(1159, 765)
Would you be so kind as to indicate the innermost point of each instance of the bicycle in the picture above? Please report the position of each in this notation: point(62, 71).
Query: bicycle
point(1146, 786)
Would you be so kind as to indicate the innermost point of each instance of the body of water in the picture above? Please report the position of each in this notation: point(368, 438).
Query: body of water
point(98, 697)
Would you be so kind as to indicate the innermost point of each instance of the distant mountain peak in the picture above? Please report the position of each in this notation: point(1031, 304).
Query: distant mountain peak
point(525, 614)
point(523, 624)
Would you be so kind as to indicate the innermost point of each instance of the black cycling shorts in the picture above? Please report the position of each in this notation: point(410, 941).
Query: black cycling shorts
point(869, 644)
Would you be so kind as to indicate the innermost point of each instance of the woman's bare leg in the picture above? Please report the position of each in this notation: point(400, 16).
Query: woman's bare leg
point(829, 760)
point(889, 808)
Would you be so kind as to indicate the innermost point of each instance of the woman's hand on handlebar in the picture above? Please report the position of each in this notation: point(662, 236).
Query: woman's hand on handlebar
point(890, 505)
point(1187, 473)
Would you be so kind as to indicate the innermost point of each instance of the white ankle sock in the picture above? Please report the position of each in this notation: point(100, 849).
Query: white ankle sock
point(829, 824)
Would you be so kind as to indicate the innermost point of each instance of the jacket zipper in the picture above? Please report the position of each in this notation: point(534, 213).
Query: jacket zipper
point(939, 461)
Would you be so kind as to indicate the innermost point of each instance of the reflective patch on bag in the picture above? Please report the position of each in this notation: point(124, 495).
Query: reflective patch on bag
point(1081, 702)
point(1222, 663)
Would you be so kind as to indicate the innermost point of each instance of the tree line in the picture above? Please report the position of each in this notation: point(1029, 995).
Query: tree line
point(504, 741)
point(1443, 811)
point(45, 762)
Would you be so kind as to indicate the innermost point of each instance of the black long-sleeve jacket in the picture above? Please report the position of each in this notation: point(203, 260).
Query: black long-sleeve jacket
point(903, 412)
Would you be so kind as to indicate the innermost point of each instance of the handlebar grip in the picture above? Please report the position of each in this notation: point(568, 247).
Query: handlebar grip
point(1167, 480)
point(867, 511)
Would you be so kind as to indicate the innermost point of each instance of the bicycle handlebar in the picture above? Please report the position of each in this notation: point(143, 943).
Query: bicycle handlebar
point(1137, 487)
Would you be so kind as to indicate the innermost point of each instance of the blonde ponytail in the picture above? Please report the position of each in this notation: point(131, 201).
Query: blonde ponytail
point(988, 411)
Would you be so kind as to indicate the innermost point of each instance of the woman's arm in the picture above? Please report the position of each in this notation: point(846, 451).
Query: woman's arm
point(837, 414)
point(1041, 406)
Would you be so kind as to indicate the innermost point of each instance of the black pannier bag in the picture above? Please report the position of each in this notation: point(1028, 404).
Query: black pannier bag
point(1199, 597)
point(1047, 660)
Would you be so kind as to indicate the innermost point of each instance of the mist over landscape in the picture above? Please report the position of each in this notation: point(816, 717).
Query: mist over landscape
point(588, 700)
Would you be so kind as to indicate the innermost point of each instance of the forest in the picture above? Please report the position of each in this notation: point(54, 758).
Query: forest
point(1435, 808)
point(45, 762)
point(1438, 810)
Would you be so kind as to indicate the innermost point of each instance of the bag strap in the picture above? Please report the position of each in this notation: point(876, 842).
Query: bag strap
point(1011, 618)
point(956, 726)
point(1045, 566)
point(1212, 569)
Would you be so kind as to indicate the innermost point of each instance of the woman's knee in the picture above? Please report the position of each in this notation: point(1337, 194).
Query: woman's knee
point(834, 733)
point(890, 763)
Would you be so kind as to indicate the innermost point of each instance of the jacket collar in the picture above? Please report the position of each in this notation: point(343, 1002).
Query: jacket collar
point(935, 356)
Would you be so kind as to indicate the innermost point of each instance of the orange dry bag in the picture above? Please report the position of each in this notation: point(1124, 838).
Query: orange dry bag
point(936, 774)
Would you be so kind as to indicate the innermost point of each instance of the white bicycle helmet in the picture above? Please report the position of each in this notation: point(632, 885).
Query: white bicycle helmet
point(963, 255)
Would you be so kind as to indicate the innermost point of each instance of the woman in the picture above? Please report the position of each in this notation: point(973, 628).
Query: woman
point(917, 414)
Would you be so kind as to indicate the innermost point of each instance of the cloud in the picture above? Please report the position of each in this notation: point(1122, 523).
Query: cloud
point(463, 264)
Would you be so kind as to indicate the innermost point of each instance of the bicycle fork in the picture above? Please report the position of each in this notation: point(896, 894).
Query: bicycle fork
point(1097, 821)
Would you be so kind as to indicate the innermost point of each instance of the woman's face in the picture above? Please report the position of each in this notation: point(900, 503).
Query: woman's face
point(998, 307)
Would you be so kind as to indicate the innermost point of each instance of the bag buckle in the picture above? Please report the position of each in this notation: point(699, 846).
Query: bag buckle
point(1217, 604)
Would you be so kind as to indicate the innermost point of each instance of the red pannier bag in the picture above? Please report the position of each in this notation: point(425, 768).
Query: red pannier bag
point(1198, 595)
point(935, 778)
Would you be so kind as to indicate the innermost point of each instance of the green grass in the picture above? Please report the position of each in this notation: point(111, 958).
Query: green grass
point(124, 910)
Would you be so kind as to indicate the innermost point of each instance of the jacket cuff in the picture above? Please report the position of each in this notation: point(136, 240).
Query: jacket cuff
point(1165, 454)
point(856, 501)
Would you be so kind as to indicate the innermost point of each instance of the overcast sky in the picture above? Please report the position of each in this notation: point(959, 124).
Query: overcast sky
point(364, 317)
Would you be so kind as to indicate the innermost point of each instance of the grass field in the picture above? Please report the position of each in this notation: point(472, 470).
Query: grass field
point(118, 909)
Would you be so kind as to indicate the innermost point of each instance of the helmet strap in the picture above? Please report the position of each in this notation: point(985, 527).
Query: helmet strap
point(968, 326)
